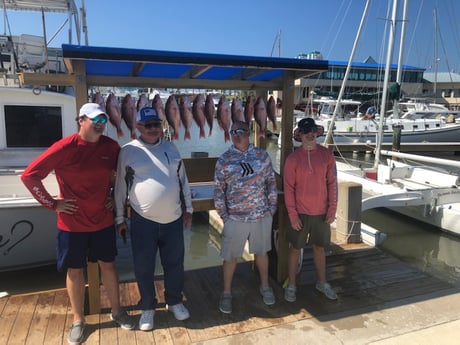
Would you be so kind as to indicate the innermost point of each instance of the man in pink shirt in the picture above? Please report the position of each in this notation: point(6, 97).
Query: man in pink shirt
point(310, 194)
point(84, 165)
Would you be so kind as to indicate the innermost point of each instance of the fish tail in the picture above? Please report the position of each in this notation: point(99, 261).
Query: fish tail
point(210, 131)
point(120, 132)
point(187, 134)
point(227, 136)
point(202, 134)
point(262, 133)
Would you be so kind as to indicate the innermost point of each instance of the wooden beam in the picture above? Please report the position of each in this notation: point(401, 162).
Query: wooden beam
point(97, 80)
point(46, 79)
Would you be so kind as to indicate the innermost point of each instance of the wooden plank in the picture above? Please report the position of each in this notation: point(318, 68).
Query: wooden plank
point(57, 329)
point(108, 330)
point(94, 297)
point(40, 320)
point(8, 317)
point(92, 329)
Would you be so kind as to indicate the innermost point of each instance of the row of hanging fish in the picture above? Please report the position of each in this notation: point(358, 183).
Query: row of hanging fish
point(179, 111)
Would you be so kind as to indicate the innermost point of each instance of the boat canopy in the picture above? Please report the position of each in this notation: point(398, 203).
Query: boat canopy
point(132, 67)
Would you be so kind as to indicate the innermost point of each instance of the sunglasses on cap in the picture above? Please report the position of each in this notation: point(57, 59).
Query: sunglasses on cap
point(237, 131)
point(306, 130)
point(102, 119)
point(151, 125)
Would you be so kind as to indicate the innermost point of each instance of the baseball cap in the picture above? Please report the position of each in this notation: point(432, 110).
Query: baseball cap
point(91, 110)
point(147, 114)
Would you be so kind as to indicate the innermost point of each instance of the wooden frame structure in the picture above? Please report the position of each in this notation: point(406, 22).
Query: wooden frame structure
point(99, 66)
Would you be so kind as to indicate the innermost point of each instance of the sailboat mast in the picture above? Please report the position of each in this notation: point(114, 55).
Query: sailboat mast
point(328, 138)
point(400, 58)
point(436, 60)
point(391, 39)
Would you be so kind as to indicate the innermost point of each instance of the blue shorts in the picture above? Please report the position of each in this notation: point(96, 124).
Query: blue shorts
point(75, 249)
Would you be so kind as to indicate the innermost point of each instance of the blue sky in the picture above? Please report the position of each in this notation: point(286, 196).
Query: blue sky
point(250, 27)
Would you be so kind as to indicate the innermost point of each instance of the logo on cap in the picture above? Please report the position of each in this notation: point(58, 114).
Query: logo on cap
point(147, 114)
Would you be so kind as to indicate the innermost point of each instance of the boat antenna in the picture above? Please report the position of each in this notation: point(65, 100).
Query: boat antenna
point(328, 139)
point(277, 40)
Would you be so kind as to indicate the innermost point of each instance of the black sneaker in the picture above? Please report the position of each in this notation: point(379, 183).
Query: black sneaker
point(76, 333)
point(124, 320)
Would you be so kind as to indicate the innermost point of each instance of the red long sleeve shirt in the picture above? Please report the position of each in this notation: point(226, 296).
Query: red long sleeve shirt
point(82, 171)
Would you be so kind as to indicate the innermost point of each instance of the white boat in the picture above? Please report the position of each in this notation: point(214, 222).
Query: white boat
point(31, 119)
point(29, 122)
point(421, 192)
point(416, 127)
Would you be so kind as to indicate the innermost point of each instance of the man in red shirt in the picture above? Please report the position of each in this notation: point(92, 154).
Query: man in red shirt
point(84, 165)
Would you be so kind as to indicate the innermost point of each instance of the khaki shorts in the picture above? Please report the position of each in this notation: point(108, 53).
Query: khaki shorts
point(235, 234)
point(314, 230)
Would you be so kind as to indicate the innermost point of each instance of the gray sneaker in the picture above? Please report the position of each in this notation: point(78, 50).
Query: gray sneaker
point(225, 304)
point(268, 295)
point(76, 333)
point(124, 320)
point(326, 290)
point(290, 293)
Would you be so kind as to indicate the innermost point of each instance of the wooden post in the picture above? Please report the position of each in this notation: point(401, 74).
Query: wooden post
point(94, 295)
point(348, 229)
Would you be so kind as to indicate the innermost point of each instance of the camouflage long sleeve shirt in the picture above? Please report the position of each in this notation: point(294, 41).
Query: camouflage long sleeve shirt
point(245, 185)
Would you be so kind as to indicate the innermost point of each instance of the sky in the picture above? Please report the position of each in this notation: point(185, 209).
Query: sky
point(261, 28)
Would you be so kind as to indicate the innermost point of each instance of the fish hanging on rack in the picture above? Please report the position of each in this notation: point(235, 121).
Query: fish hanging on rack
point(186, 116)
point(209, 112)
point(198, 113)
point(223, 117)
point(112, 108)
point(173, 116)
point(260, 115)
point(128, 114)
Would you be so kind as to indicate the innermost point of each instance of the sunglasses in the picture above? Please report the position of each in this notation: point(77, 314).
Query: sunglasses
point(151, 125)
point(237, 131)
point(99, 119)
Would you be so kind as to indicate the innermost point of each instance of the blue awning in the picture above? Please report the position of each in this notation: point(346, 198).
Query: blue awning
point(156, 68)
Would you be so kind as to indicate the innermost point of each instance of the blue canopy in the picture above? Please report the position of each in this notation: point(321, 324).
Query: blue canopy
point(105, 66)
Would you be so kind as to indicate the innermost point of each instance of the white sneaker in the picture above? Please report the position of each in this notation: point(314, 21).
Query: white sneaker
point(179, 311)
point(146, 320)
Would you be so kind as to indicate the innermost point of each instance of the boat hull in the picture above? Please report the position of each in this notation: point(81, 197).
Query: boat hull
point(424, 208)
point(27, 235)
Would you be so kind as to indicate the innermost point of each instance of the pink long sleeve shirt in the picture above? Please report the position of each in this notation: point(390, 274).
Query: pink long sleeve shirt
point(310, 183)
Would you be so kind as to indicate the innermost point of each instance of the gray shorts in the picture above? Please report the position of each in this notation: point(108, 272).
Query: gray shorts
point(314, 229)
point(235, 234)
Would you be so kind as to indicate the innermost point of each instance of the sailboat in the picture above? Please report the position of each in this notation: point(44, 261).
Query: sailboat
point(427, 194)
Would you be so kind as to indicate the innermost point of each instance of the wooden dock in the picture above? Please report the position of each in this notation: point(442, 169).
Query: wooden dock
point(362, 277)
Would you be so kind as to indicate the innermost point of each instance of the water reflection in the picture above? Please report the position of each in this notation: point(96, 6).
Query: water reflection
point(425, 247)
